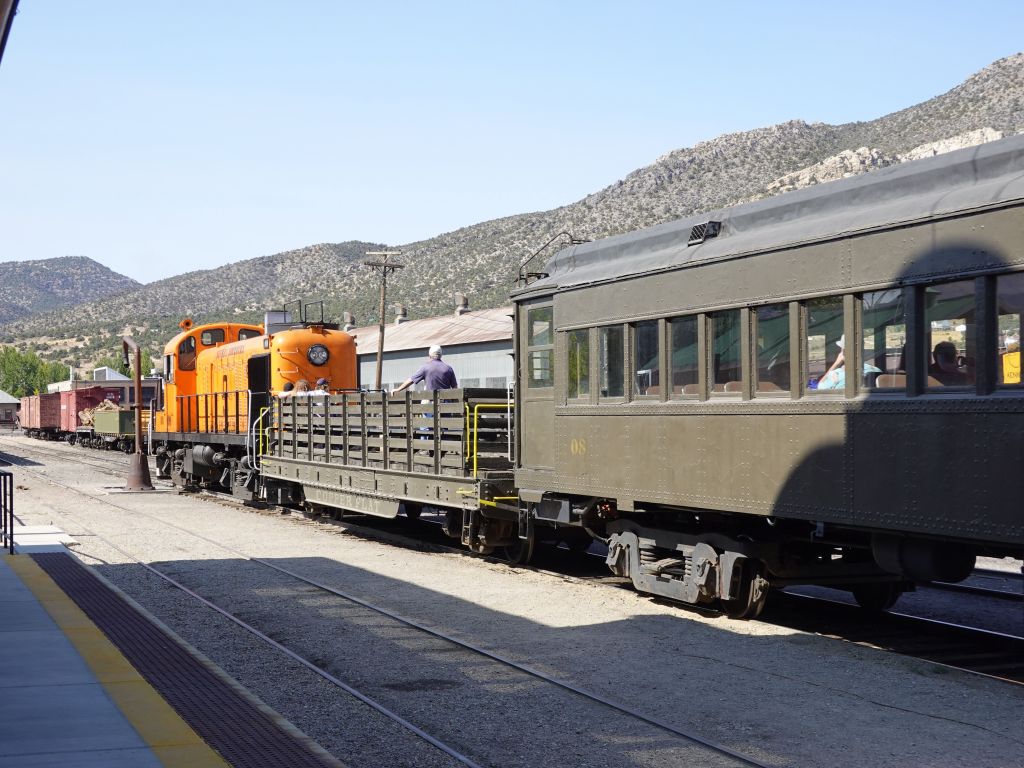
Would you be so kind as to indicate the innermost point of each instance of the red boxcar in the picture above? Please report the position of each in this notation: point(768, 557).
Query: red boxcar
point(41, 412)
point(29, 405)
point(75, 401)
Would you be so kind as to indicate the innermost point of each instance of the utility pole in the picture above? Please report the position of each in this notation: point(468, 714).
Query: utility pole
point(385, 268)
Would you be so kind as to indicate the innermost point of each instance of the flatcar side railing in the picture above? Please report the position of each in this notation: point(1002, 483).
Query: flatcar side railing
point(457, 432)
point(7, 510)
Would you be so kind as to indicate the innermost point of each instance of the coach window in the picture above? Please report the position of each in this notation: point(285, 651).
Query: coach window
point(612, 361)
point(646, 359)
point(539, 337)
point(1010, 303)
point(884, 339)
point(212, 336)
point(725, 373)
point(578, 364)
point(248, 333)
point(952, 334)
point(824, 345)
point(685, 354)
point(187, 354)
point(772, 339)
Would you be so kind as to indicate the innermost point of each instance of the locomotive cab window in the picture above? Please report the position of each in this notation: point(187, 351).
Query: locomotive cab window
point(212, 336)
point(248, 333)
point(187, 354)
point(611, 361)
point(884, 339)
point(951, 345)
point(685, 356)
point(772, 339)
point(1010, 305)
point(578, 364)
point(646, 359)
point(539, 341)
point(725, 372)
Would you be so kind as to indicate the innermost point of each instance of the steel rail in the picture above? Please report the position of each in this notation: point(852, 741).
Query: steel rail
point(565, 685)
point(610, 703)
point(971, 589)
point(910, 619)
point(440, 745)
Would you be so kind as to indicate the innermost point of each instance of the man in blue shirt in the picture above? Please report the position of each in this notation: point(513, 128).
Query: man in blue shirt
point(437, 374)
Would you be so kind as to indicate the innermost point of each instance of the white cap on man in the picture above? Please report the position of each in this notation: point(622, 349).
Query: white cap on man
point(435, 352)
point(842, 342)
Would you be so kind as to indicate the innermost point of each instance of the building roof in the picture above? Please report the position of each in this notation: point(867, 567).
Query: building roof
point(474, 327)
point(6, 399)
point(105, 373)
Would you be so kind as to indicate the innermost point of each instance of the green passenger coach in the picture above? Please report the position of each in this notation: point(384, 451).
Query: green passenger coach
point(805, 389)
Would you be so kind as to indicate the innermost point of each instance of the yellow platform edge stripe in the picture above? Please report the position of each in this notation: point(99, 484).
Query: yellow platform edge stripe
point(170, 738)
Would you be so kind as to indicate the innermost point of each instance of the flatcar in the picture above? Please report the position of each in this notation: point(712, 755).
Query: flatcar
point(219, 381)
point(801, 390)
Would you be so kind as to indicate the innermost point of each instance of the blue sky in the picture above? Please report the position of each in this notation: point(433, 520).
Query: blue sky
point(160, 137)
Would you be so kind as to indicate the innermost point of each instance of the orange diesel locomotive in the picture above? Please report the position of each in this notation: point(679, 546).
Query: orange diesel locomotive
point(218, 382)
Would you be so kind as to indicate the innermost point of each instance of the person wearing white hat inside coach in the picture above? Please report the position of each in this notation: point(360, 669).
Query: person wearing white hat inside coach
point(835, 376)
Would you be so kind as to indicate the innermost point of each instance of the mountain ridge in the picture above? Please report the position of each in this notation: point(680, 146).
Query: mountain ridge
point(481, 260)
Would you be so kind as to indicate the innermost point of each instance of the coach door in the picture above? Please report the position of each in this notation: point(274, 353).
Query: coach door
point(536, 406)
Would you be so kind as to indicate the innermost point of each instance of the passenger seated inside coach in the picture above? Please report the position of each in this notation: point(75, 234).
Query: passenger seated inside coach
point(945, 369)
point(835, 377)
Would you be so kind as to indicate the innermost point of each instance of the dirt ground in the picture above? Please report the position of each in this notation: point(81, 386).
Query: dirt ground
point(785, 697)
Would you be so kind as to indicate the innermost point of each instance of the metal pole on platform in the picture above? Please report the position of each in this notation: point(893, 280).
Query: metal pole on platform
point(138, 464)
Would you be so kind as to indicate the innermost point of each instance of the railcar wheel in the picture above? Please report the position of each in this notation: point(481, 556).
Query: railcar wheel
point(878, 596)
point(753, 593)
point(520, 553)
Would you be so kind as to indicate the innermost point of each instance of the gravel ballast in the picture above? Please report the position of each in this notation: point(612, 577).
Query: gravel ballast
point(784, 697)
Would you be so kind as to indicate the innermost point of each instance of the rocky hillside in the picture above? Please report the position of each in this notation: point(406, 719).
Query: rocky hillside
point(31, 287)
point(482, 260)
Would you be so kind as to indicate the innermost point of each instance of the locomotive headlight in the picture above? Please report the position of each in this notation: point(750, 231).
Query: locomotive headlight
point(318, 354)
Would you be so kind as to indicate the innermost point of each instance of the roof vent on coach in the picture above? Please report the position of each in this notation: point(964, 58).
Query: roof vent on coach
point(703, 232)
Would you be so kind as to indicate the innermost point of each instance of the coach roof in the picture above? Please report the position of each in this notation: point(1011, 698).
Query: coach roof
point(973, 178)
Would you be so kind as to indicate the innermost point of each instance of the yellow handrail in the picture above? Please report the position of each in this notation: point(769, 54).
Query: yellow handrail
point(262, 429)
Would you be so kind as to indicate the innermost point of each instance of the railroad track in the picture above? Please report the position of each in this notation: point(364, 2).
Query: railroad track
point(1013, 589)
point(557, 693)
point(982, 652)
point(991, 654)
point(88, 457)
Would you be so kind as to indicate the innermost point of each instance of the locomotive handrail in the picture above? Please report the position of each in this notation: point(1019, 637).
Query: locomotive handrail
point(7, 510)
point(258, 435)
point(222, 418)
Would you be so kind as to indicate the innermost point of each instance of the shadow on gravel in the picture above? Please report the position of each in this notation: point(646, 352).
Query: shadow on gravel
point(9, 459)
point(697, 676)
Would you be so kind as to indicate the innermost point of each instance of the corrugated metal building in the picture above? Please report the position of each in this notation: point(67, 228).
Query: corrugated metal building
point(477, 345)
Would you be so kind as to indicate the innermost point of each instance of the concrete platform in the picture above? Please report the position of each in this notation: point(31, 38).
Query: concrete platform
point(54, 707)
point(81, 686)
